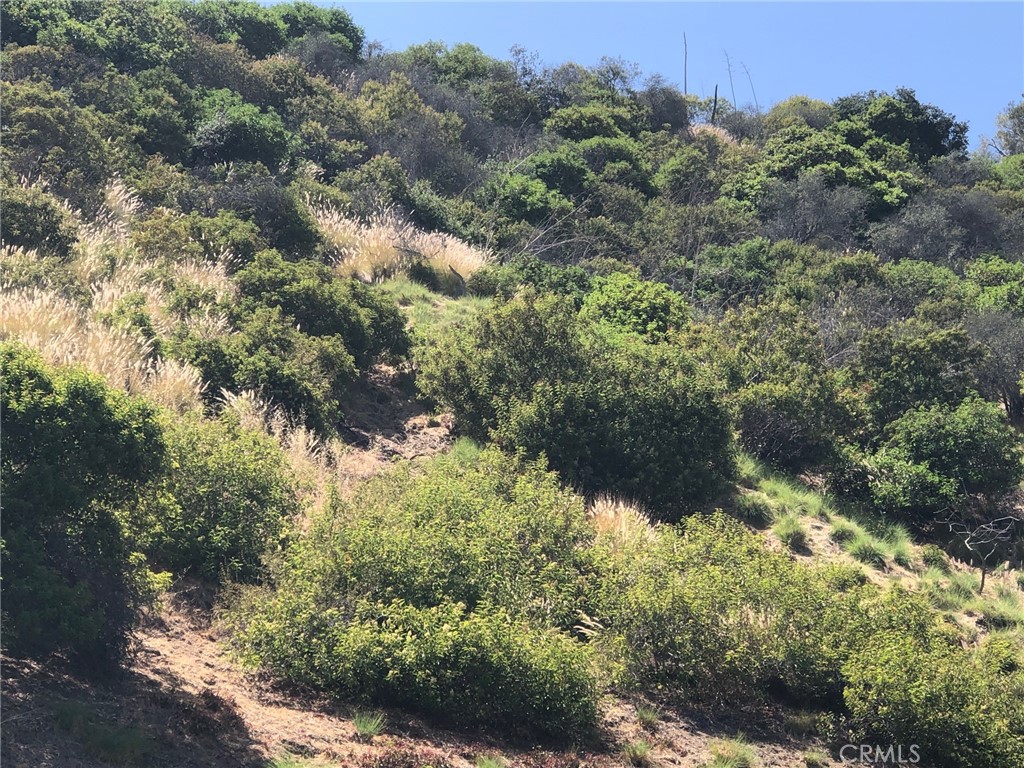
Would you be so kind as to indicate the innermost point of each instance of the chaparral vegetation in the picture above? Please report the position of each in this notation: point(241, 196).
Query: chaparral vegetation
point(734, 397)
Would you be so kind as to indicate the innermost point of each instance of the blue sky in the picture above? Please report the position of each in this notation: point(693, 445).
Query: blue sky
point(967, 58)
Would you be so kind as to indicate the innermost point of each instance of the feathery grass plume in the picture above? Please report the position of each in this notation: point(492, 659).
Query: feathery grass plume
point(65, 335)
point(13, 256)
point(120, 207)
point(341, 232)
point(444, 252)
point(385, 246)
point(175, 385)
point(208, 275)
point(209, 325)
point(714, 130)
point(620, 520)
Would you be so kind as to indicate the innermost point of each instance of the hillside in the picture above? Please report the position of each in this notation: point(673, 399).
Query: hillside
point(418, 408)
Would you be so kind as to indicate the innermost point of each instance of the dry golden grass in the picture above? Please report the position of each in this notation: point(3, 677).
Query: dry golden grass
point(621, 521)
point(64, 334)
point(120, 206)
point(385, 246)
point(208, 275)
point(718, 132)
point(444, 252)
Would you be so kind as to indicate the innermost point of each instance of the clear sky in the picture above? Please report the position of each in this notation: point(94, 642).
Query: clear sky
point(965, 57)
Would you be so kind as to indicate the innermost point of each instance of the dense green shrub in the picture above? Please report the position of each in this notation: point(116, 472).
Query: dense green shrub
point(710, 614)
point(617, 415)
point(227, 498)
point(231, 129)
point(504, 280)
point(465, 668)
point(935, 458)
point(306, 375)
point(636, 306)
point(73, 451)
point(907, 690)
point(903, 365)
point(440, 591)
point(36, 220)
point(322, 304)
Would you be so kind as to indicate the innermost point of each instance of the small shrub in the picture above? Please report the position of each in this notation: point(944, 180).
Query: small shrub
point(490, 761)
point(530, 376)
point(817, 758)
point(916, 687)
point(36, 220)
point(638, 753)
point(368, 724)
point(227, 500)
point(648, 717)
point(791, 532)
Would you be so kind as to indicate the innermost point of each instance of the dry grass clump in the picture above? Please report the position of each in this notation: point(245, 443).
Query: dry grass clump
point(714, 130)
point(620, 520)
point(208, 275)
point(120, 206)
point(385, 246)
point(444, 252)
point(64, 334)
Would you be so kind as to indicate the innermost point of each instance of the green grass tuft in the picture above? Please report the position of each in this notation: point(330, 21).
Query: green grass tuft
point(638, 753)
point(816, 758)
point(754, 508)
point(867, 549)
point(735, 753)
point(648, 717)
point(115, 744)
point(843, 530)
point(933, 557)
point(791, 531)
point(369, 724)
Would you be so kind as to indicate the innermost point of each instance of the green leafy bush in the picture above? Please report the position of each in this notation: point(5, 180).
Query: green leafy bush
point(73, 451)
point(637, 419)
point(227, 499)
point(649, 309)
point(307, 375)
point(321, 304)
point(33, 219)
point(934, 458)
point(903, 689)
point(440, 592)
